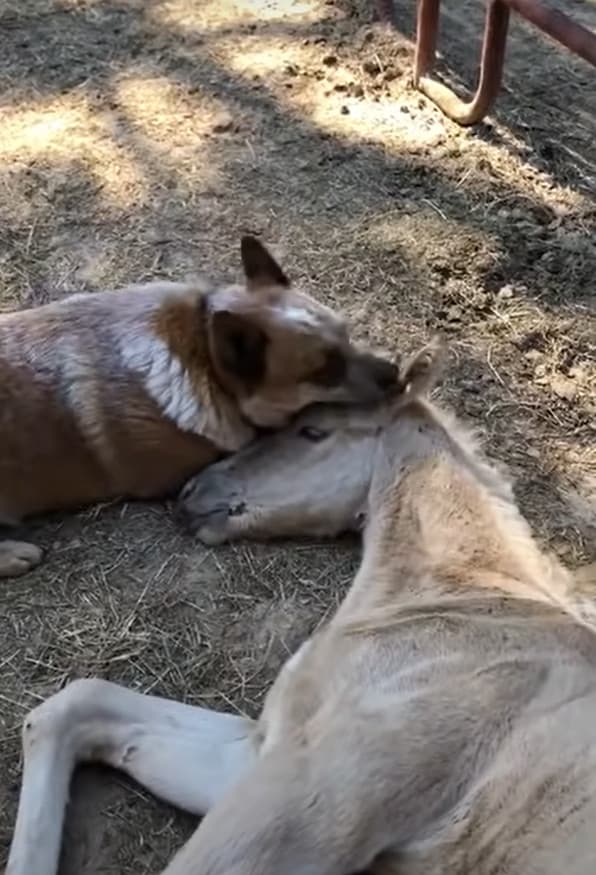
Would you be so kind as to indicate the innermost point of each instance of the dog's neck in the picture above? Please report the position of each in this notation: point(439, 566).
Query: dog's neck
point(174, 363)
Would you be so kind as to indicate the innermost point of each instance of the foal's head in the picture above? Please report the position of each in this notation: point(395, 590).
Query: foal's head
point(311, 478)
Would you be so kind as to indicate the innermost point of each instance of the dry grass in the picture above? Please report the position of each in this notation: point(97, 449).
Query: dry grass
point(140, 139)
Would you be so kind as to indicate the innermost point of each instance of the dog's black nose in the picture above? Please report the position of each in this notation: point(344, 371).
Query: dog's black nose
point(386, 374)
point(382, 373)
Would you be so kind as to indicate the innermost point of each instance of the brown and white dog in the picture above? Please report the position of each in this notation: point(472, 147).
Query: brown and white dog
point(128, 393)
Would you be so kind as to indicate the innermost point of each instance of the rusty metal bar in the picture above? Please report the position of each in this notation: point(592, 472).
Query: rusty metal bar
point(555, 24)
point(491, 63)
point(559, 27)
point(427, 28)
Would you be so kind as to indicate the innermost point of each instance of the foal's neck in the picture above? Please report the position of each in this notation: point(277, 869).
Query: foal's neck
point(442, 521)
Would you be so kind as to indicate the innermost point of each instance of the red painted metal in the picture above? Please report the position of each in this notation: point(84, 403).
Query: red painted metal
point(557, 25)
point(491, 62)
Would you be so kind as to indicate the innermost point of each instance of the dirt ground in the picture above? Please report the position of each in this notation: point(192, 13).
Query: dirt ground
point(140, 139)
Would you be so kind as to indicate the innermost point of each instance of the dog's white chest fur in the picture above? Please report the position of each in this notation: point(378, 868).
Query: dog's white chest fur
point(164, 378)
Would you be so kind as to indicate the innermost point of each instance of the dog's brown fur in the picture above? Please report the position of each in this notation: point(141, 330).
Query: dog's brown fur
point(128, 393)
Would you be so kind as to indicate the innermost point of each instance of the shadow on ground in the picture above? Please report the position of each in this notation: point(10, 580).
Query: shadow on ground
point(141, 139)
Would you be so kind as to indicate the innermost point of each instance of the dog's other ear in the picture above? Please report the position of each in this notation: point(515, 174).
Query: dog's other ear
point(422, 372)
point(260, 267)
point(239, 348)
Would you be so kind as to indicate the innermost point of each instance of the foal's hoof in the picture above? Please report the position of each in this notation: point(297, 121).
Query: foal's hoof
point(17, 557)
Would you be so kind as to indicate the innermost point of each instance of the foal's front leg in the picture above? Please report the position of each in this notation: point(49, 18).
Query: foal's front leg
point(297, 811)
point(185, 755)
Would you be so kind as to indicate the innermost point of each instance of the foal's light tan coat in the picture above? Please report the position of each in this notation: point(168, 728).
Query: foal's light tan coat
point(442, 722)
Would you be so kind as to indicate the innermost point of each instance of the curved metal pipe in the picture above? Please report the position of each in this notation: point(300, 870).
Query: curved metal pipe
point(491, 63)
point(555, 24)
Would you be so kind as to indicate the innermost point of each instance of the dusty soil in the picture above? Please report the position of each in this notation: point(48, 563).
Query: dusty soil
point(140, 139)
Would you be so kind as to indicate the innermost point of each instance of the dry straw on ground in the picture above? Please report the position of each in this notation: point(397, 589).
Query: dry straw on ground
point(140, 140)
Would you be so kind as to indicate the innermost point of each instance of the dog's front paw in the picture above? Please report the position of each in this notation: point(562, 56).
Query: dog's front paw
point(18, 557)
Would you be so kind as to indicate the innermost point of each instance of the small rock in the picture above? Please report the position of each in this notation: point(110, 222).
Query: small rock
point(345, 110)
point(330, 60)
point(223, 124)
point(473, 406)
point(564, 387)
point(371, 67)
point(454, 313)
point(472, 386)
point(482, 301)
point(579, 373)
point(533, 355)
point(358, 90)
point(534, 453)
point(505, 292)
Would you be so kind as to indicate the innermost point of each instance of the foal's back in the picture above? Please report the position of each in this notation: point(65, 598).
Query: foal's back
point(502, 699)
point(467, 724)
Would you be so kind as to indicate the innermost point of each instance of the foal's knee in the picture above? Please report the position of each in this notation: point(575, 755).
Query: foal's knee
point(59, 714)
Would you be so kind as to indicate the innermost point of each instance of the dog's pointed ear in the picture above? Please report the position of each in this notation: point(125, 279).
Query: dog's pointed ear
point(420, 374)
point(260, 267)
point(239, 348)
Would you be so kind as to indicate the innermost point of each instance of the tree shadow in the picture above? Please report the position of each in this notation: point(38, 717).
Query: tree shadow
point(85, 49)
point(548, 98)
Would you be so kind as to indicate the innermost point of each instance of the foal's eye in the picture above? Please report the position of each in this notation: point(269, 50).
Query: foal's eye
point(312, 434)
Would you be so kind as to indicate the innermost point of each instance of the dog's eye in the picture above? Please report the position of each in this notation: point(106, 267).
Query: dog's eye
point(312, 434)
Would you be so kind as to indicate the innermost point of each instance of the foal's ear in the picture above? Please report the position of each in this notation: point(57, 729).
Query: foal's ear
point(420, 374)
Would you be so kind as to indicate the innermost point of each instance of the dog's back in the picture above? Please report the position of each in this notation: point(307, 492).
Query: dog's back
point(78, 422)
